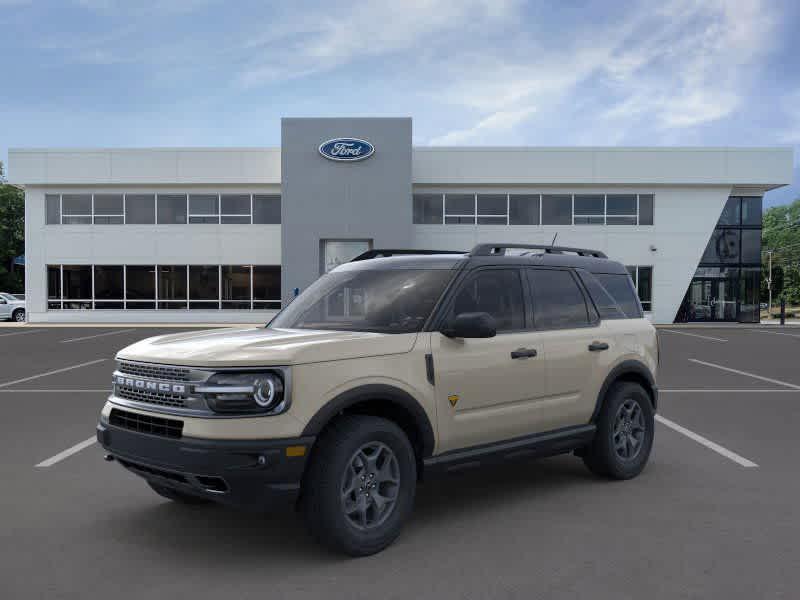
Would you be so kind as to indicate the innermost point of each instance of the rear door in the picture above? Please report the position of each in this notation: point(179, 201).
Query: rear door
point(5, 308)
point(576, 343)
point(488, 389)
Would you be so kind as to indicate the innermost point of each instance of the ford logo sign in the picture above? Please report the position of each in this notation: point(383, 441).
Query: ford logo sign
point(344, 149)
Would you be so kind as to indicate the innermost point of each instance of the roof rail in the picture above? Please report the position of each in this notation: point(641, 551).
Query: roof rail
point(490, 249)
point(382, 252)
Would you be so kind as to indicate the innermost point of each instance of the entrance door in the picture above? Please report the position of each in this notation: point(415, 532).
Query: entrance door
point(711, 300)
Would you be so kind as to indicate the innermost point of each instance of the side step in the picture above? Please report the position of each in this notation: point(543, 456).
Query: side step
point(538, 445)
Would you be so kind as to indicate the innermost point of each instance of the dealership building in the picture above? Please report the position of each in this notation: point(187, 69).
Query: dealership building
point(231, 234)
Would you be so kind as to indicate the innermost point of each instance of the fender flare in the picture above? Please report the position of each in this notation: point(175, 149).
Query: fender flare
point(627, 367)
point(381, 392)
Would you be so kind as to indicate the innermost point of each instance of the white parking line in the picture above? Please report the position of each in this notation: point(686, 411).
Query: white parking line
point(746, 374)
point(67, 453)
point(697, 335)
point(794, 335)
point(90, 337)
point(707, 391)
point(24, 379)
point(740, 460)
point(22, 332)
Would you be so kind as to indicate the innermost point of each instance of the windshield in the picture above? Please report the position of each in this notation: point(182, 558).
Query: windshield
point(387, 301)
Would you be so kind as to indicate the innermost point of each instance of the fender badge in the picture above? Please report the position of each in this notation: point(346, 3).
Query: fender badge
point(453, 399)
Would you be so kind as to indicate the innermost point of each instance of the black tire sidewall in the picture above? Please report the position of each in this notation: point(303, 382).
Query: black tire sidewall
point(322, 496)
point(602, 453)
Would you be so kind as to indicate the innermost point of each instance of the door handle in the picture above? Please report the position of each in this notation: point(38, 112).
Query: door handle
point(523, 353)
point(597, 346)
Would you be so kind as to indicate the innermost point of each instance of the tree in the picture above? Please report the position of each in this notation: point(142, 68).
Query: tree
point(12, 235)
point(781, 235)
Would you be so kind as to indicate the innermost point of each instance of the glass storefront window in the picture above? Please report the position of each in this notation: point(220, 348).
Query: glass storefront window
point(751, 211)
point(723, 247)
point(750, 295)
point(730, 214)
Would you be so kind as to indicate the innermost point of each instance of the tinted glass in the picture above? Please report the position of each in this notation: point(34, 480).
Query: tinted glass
point(236, 283)
point(108, 282)
point(140, 209)
point(428, 209)
point(644, 287)
point(266, 282)
point(171, 209)
point(497, 292)
point(203, 282)
point(557, 210)
point(386, 301)
point(266, 209)
point(172, 282)
point(236, 204)
point(53, 282)
point(646, 209)
point(459, 204)
point(621, 204)
point(751, 245)
point(108, 204)
point(523, 209)
point(140, 282)
point(731, 213)
point(723, 247)
point(589, 204)
point(606, 306)
point(558, 302)
point(749, 295)
point(751, 211)
point(492, 204)
point(203, 204)
point(53, 207)
point(622, 290)
point(76, 204)
point(77, 282)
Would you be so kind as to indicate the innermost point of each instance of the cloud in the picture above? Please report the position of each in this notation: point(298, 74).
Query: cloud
point(498, 122)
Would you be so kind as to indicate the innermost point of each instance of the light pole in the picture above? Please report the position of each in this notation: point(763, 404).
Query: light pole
point(769, 285)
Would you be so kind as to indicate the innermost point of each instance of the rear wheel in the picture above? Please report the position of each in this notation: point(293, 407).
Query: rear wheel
point(19, 315)
point(625, 430)
point(175, 495)
point(359, 489)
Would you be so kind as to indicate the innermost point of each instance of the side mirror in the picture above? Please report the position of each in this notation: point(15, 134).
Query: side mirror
point(471, 325)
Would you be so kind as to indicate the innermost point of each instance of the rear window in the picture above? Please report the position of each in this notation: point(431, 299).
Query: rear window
point(607, 307)
point(621, 289)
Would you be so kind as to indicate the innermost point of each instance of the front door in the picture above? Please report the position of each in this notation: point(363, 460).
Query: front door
point(711, 300)
point(488, 389)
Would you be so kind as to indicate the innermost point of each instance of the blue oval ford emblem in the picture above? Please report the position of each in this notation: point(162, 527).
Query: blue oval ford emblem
point(346, 149)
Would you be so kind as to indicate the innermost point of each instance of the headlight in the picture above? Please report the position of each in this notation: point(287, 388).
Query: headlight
point(244, 393)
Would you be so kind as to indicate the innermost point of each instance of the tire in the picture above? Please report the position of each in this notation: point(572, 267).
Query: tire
point(176, 495)
point(18, 315)
point(626, 417)
point(340, 508)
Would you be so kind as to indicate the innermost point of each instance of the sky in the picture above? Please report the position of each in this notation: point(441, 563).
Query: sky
point(107, 73)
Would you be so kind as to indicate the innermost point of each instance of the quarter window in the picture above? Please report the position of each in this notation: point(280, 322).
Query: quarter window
point(558, 302)
point(622, 289)
point(497, 292)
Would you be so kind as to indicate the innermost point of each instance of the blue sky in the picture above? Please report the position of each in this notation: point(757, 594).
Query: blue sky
point(90, 73)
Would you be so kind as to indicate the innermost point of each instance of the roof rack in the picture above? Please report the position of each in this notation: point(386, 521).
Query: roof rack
point(490, 249)
point(382, 252)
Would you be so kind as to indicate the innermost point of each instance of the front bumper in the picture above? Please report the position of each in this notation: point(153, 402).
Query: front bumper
point(248, 474)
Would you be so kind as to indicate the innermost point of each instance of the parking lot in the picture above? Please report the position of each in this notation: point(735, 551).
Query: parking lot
point(714, 515)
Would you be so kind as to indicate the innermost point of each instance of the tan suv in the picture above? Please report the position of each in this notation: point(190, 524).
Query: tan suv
point(395, 364)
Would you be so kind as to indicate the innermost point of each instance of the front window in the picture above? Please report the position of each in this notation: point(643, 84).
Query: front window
point(381, 301)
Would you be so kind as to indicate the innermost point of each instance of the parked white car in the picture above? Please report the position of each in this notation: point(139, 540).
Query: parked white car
point(12, 308)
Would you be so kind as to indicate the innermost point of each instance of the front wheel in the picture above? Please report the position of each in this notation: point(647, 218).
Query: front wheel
point(19, 315)
point(625, 431)
point(360, 485)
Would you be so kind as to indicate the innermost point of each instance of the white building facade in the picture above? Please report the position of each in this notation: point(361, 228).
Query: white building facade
point(228, 234)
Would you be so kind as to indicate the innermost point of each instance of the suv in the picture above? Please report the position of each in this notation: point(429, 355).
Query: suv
point(396, 364)
point(12, 308)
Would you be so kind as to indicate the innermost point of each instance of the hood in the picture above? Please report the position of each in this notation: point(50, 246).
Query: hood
point(264, 347)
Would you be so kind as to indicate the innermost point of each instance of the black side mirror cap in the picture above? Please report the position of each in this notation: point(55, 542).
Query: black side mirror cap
point(471, 325)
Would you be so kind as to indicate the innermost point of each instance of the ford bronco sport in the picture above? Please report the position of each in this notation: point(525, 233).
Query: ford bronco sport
point(396, 364)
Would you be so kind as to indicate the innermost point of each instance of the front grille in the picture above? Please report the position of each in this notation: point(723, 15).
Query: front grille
point(160, 398)
point(170, 428)
point(166, 373)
